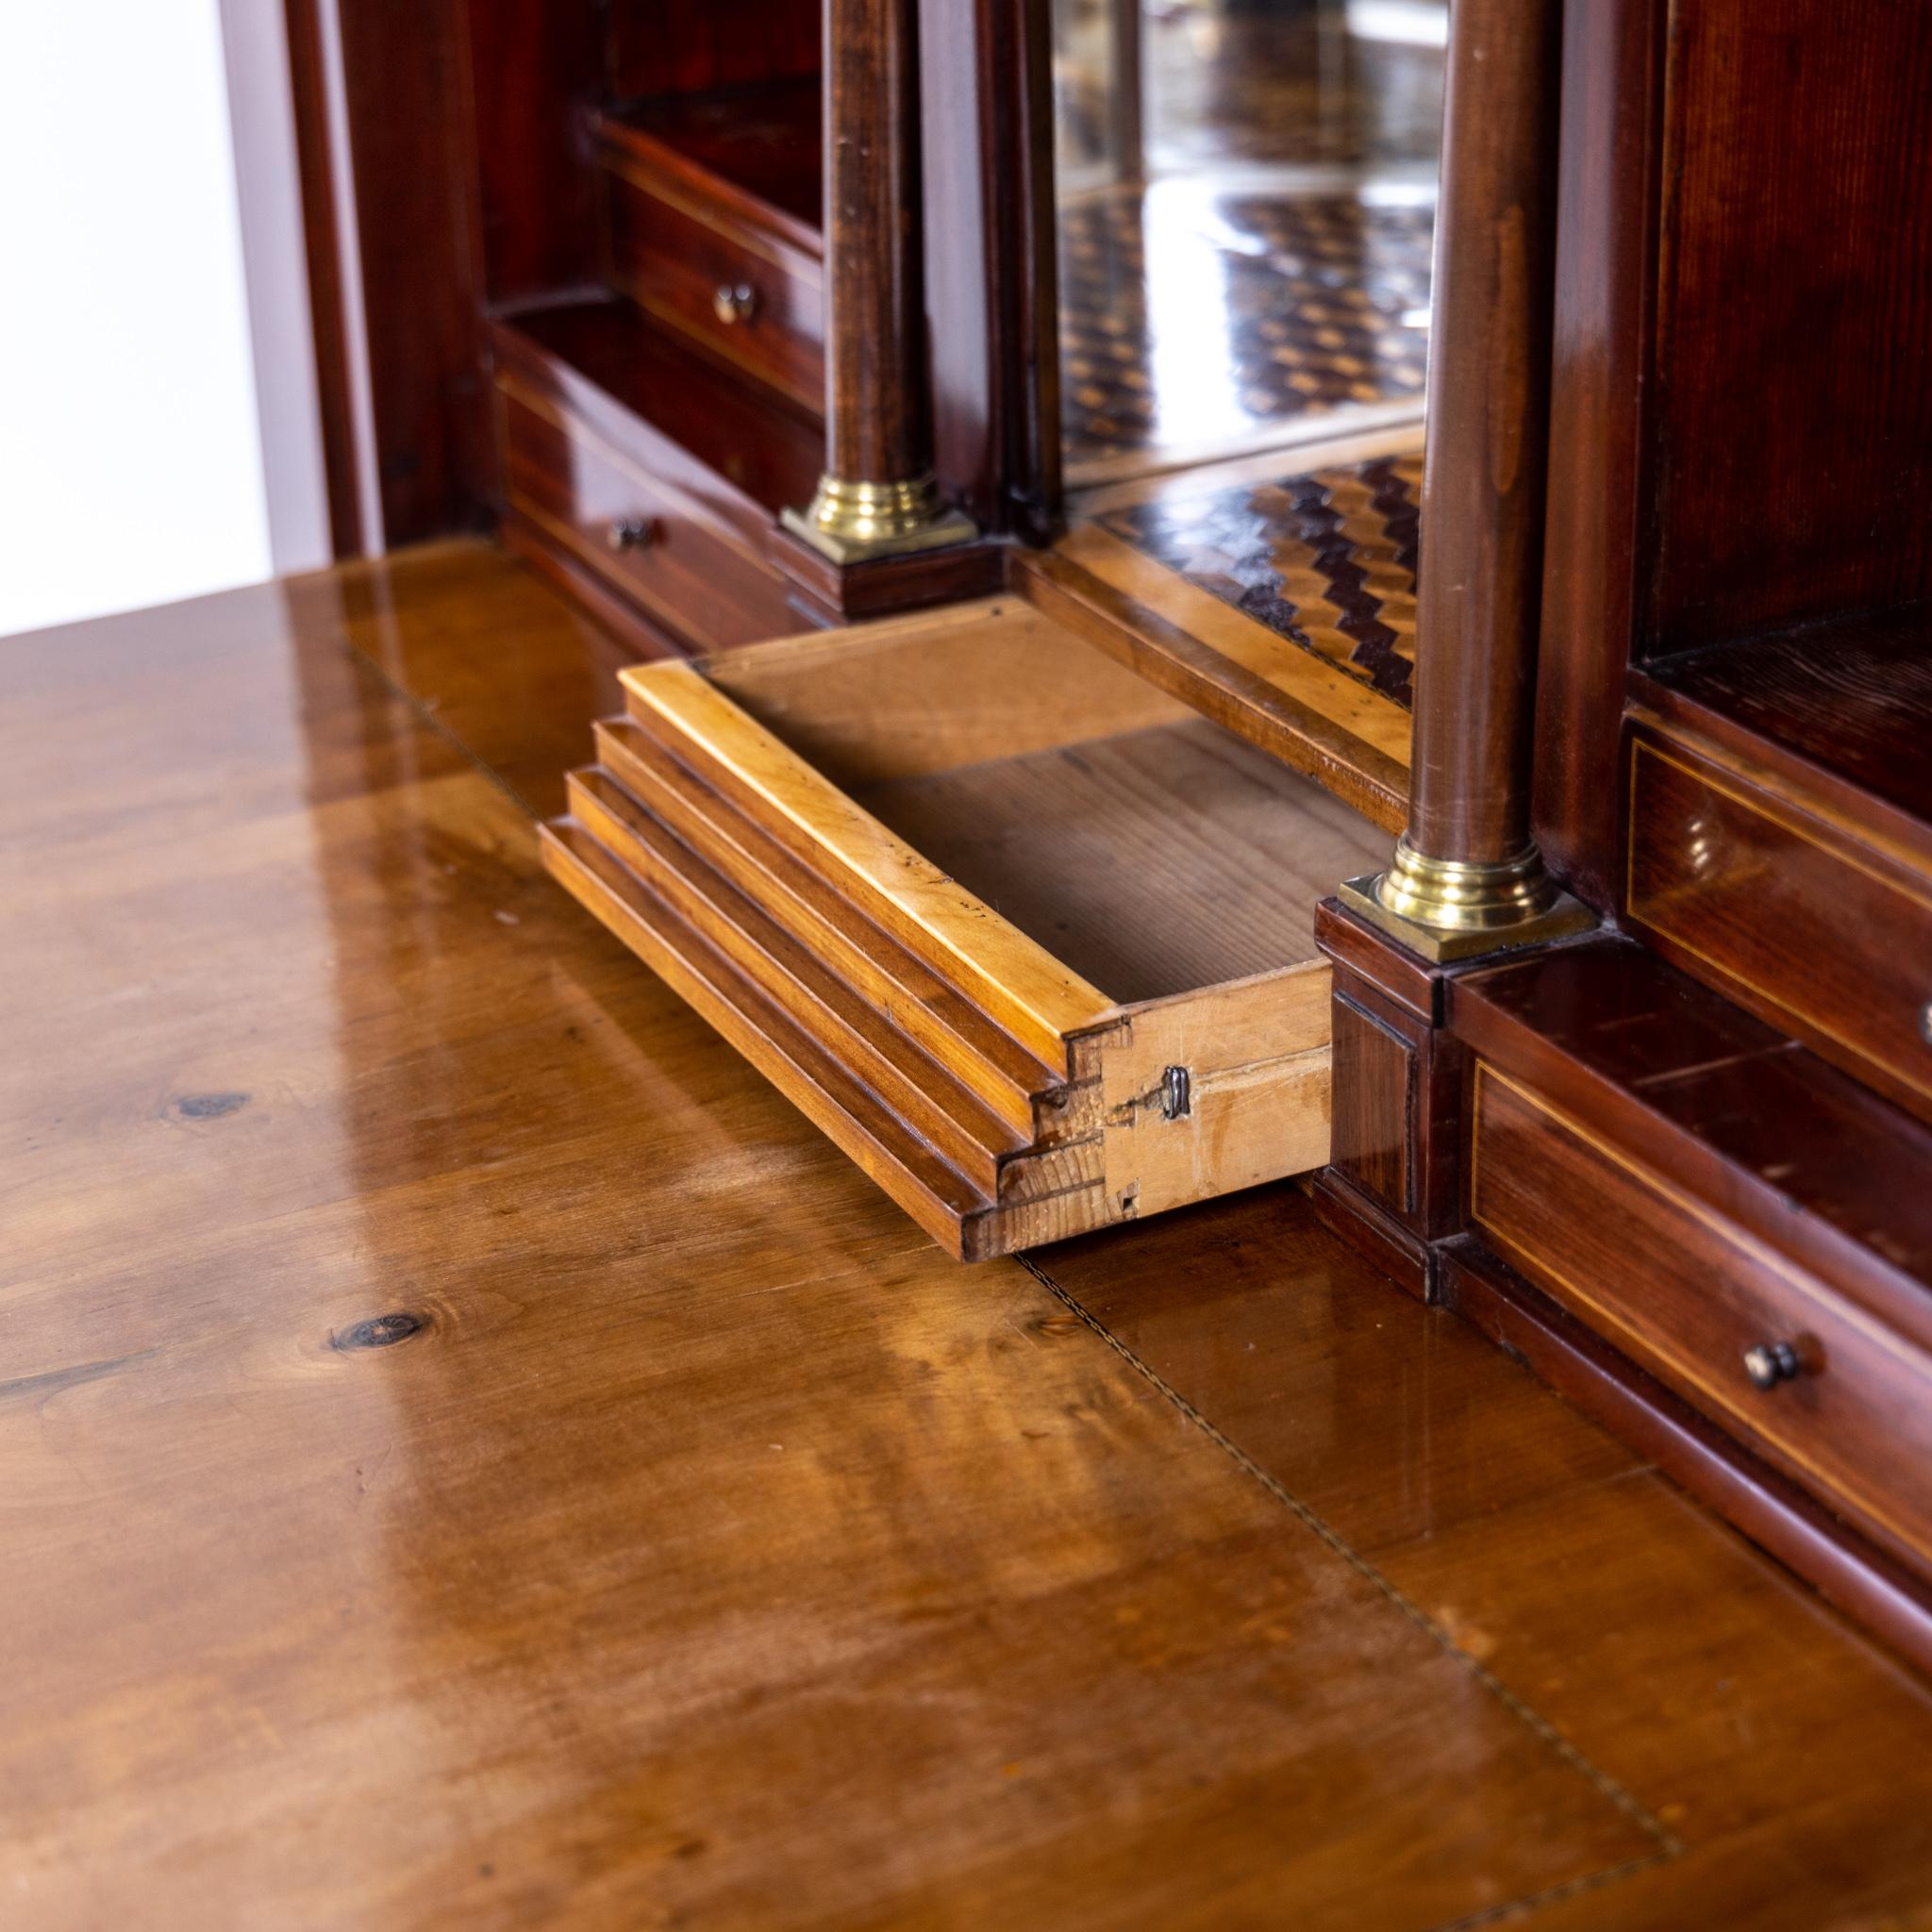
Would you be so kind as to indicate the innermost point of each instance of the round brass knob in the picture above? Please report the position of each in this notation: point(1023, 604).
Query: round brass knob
point(631, 533)
point(1770, 1363)
point(733, 302)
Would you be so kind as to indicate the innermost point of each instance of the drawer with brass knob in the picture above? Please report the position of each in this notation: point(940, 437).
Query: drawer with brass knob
point(730, 270)
point(734, 303)
point(630, 533)
point(1832, 1391)
point(666, 554)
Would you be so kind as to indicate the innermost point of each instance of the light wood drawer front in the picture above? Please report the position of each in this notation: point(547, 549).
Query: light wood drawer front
point(750, 298)
point(1032, 942)
point(638, 537)
point(1642, 1266)
point(1814, 931)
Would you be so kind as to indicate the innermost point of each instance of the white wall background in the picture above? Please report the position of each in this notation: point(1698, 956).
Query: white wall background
point(130, 450)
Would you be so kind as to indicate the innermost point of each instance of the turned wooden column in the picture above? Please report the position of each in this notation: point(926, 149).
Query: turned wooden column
point(877, 496)
point(1467, 875)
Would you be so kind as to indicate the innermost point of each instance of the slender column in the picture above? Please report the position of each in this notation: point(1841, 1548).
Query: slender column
point(877, 497)
point(1466, 877)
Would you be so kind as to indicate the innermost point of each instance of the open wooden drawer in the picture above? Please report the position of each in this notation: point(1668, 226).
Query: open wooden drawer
point(1026, 936)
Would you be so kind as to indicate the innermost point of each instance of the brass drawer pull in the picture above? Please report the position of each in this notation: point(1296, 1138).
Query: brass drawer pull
point(1770, 1363)
point(631, 533)
point(733, 302)
point(1925, 1023)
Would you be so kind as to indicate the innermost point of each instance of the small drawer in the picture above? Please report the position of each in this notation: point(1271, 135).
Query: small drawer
point(1026, 938)
point(635, 533)
point(746, 293)
point(1820, 1385)
point(1788, 913)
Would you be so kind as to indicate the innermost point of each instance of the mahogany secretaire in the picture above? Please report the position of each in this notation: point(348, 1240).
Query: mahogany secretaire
point(1241, 592)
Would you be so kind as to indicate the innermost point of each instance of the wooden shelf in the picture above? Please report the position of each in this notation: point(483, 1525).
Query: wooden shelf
point(759, 144)
point(1031, 941)
point(1846, 707)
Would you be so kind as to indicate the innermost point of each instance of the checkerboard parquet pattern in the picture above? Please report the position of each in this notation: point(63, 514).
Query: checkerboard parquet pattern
point(1307, 315)
point(1326, 561)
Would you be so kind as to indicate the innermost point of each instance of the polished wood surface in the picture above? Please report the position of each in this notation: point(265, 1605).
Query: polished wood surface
point(646, 477)
point(693, 47)
point(1374, 1104)
point(709, 254)
point(1843, 710)
point(1395, 1184)
point(1324, 556)
point(739, 448)
point(986, 109)
point(527, 71)
point(1707, 1460)
point(1633, 1116)
point(1482, 506)
point(648, 540)
point(754, 150)
point(1798, 262)
point(389, 134)
point(1527, 1532)
point(1850, 1409)
point(323, 176)
point(476, 1456)
point(1797, 1155)
point(878, 395)
point(1764, 892)
point(1606, 165)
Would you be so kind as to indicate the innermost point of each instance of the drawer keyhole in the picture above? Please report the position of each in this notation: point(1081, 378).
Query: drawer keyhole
point(733, 302)
point(631, 533)
point(1770, 1363)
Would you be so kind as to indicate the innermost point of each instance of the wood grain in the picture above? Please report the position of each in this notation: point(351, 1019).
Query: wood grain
point(1759, 893)
point(992, 679)
point(1151, 862)
point(1552, 1554)
point(1606, 163)
point(1374, 1105)
point(564, 1597)
point(1796, 1154)
point(674, 243)
point(1842, 709)
point(1688, 1297)
point(909, 960)
point(1798, 254)
point(1484, 470)
point(1033, 995)
point(642, 536)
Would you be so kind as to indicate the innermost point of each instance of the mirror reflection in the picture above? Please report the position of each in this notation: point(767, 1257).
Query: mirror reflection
point(1246, 201)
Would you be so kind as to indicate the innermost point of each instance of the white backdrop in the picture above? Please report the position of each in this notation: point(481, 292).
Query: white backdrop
point(130, 452)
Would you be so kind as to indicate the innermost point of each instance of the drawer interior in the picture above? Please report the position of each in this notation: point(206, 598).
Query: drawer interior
point(1024, 935)
point(1148, 849)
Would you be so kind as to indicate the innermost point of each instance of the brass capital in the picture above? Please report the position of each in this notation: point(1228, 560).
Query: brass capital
point(853, 522)
point(1451, 909)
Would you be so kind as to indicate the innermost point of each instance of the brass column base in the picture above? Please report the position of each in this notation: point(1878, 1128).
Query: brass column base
point(1447, 909)
point(854, 523)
